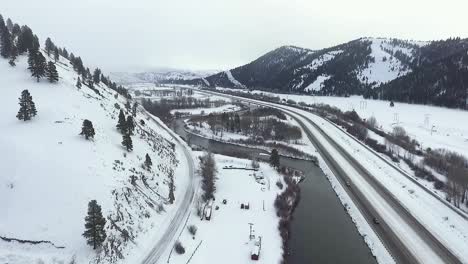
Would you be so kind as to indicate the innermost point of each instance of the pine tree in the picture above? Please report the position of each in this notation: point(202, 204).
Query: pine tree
point(94, 225)
point(27, 107)
point(9, 24)
point(274, 159)
point(6, 44)
point(134, 109)
point(65, 53)
point(56, 54)
point(2, 24)
point(49, 46)
point(130, 125)
point(13, 55)
point(87, 129)
point(51, 72)
point(78, 83)
point(37, 64)
point(121, 124)
point(148, 162)
point(25, 39)
point(97, 75)
point(127, 141)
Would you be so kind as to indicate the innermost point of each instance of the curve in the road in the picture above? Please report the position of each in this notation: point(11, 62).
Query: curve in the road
point(177, 222)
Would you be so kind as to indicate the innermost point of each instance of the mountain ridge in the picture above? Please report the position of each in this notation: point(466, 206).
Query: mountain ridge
point(371, 67)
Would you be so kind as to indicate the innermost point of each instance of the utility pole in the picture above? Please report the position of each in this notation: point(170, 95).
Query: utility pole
point(251, 235)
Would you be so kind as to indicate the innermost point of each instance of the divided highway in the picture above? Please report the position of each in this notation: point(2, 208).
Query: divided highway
point(405, 238)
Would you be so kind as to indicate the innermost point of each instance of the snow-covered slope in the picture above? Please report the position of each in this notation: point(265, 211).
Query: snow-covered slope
point(384, 66)
point(50, 172)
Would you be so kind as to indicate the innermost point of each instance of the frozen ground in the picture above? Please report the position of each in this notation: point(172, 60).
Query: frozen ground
point(50, 172)
point(225, 238)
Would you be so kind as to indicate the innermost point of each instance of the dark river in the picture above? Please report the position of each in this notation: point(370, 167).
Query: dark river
point(321, 232)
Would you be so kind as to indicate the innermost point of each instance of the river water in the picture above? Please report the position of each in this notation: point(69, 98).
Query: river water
point(321, 231)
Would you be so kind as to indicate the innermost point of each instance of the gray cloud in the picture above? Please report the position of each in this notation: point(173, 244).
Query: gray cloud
point(135, 35)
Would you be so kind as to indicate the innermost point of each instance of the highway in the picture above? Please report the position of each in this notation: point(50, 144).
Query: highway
point(404, 237)
point(167, 239)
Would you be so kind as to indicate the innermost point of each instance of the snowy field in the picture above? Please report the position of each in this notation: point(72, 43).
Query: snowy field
point(50, 172)
point(225, 238)
point(199, 111)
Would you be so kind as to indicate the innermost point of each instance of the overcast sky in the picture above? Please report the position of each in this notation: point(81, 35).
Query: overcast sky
point(138, 35)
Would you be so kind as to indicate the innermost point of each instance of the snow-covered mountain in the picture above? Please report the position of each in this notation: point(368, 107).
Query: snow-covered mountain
point(162, 75)
point(366, 66)
point(369, 61)
point(49, 172)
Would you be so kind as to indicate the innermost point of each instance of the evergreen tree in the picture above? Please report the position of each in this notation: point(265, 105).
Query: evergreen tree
point(25, 39)
point(130, 125)
point(121, 124)
point(13, 55)
point(94, 225)
point(134, 109)
point(148, 162)
point(6, 44)
point(56, 54)
point(35, 43)
point(9, 24)
point(51, 72)
point(87, 129)
point(65, 53)
point(49, 46)
point(37, 64)
point(127, 141)
point(274, 159)
point(16, 30)
point(2, 24)
point(27, 107)
point(78, 83)
point(97, 75)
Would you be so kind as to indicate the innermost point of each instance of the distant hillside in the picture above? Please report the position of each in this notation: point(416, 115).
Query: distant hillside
point(410, 71)
point(162, 75)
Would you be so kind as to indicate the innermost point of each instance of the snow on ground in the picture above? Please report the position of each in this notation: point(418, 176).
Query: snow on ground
point(225, 238)
point(385, 67)
point(233, 80)
point(198, 111)
point(314, 65)
point(317, 84)
point(50, 172)
point(205, 131)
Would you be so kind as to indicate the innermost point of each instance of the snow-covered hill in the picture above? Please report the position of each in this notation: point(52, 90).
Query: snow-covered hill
point(163, 75)
point(49, 172)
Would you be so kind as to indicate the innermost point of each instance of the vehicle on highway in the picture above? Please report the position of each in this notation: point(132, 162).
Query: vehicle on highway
point(376, 221)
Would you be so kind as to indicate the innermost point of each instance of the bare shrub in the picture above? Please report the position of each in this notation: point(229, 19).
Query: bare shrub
point(192, 229)
point(372, 122)
point(179, 248)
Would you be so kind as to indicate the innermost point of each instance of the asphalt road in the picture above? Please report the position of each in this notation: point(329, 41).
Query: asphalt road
point(167, 239)
point(387, 235)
